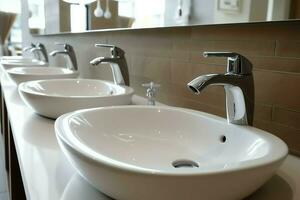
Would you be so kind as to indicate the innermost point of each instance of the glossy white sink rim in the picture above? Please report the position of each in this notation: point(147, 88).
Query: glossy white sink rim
point(25, 61)
point(11, 57)
point(7, 64)
point(40, 70)
point(54, 97)
point(23, 74)
point(17, 59)
point(278, 150)
point(77, 88)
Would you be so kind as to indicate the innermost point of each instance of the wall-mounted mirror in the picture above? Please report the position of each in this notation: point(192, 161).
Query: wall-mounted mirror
point(58, 16)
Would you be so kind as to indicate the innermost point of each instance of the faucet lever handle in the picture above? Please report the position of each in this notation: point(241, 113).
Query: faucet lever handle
point(151, 85)
point(220, 54)
point(115, 51)
point(29, 47)
point(65, 45)
point(236, 63)
point(105, 45)
point(40, 45)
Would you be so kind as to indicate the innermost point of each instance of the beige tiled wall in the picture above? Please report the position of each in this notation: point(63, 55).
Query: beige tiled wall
point(173, 56)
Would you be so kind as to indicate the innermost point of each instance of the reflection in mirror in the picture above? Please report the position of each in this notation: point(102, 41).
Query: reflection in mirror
point(10, 27)
point(36, 18)
point(56, 16)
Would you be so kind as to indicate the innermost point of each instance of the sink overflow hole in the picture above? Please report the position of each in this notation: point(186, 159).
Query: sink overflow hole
point(185, 164)
point(223, 138)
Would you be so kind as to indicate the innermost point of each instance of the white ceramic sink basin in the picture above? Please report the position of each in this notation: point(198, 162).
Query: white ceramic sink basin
point(52, 98)
point(23, 74)
point(167, 153)
point(24, 62)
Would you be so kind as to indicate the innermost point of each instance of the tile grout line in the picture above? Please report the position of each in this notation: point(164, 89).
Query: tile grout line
point(275, 47)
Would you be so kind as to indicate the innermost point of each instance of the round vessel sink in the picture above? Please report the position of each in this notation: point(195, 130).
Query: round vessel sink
point(52, 98)
point(167, 153)
point(23, 74)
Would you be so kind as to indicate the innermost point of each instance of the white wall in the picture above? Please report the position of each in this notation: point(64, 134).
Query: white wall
point(52, 19)
point(221, 16)
point(197, 12)
point(278, 9)
point(202, 12)
point(10, 6)
point(251, 10)
point(258, 10)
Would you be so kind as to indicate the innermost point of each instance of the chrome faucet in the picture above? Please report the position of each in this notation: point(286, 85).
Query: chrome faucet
point(70, 53)
point(117, 62)
point(151, 92)
point(35, 54)
point(238, 84)
point(40, 50)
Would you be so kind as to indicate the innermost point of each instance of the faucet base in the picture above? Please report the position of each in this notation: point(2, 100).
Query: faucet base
point(235, 105)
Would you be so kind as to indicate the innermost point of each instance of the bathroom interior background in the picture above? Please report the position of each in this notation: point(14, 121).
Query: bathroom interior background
point(173, 56)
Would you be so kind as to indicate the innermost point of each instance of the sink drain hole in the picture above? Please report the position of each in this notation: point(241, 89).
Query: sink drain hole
point(223, 138)
point(185, 164)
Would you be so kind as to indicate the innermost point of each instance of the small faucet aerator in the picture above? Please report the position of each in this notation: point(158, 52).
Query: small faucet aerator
point(193, 89)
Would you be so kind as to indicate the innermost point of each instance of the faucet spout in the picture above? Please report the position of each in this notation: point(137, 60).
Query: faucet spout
point(54, 53)
point(118, 67)
point(201, 82)
point(103, 60)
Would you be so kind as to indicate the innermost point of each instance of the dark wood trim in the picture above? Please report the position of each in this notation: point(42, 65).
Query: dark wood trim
point(4, 131)
point(14, 178)
point(1, 100)
point(294, 153)
point(16, 186)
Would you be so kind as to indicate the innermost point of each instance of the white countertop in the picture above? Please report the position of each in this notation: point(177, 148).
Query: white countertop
point(47, 175)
